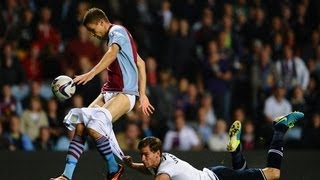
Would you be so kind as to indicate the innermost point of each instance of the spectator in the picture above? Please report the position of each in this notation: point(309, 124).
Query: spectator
point(17, 139)
point(163, 97)
point(55, 119)
point(204, 31)
point(276, 104)
point(64, 17)
point(309, 50)
point(26, 29)
point(10, 16)
point(32, 64)
point(239, 114)
point(207, 104)
point(203, 128)
point(277, 46)
point(262, 79)
point(129, 139)
point(217, 77)
point(181, 52)
point(8, 104)
point(147, 125)
point(257, 27)
point(80, 46)
point(182, 137)
point(33, 118)
point(35, 92)
point(44, 142)
point(4, 142)
point(190, 104)
point(312, 95)
point(11, 71)
point(93, 86)
point(151, 68)
point(292, 71)
point(311, 134)
point(219, 139)
point(298, 101)
point(248, 138)
point(47, 34)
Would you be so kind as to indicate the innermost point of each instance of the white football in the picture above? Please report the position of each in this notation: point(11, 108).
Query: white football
point(63, 87)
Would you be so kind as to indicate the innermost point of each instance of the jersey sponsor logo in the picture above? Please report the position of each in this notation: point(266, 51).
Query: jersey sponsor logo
point(74, 118)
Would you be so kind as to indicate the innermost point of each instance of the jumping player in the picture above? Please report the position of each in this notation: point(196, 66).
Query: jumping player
point(165, 166)
point(126, 82)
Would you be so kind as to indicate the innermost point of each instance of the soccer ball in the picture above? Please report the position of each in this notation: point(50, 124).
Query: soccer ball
point(63, 87)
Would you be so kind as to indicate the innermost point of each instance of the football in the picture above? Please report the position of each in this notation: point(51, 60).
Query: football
point(63, 87)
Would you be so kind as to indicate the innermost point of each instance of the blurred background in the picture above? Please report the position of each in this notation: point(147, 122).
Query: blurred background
point(209, 62)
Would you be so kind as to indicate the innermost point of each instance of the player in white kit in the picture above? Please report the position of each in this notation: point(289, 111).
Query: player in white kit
point(165, 166)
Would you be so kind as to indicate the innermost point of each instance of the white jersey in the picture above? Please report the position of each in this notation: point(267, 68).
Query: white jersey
point(178, 169)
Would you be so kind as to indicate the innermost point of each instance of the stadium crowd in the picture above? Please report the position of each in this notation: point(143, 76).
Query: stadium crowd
point(209, 62)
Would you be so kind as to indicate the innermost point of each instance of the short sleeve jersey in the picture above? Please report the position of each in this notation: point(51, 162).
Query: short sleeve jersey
point(123, 71)
point(178, 169)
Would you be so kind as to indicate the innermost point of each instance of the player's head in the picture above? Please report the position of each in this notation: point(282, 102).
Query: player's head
point(150, 150)
point(95, 20)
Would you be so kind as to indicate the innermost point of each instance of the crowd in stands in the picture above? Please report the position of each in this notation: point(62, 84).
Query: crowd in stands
point(209, 62)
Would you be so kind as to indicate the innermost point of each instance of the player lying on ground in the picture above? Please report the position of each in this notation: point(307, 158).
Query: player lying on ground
point(165, 166)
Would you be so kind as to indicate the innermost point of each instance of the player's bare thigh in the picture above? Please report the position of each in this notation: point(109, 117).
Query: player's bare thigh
point(98, 101)
point(118, 106)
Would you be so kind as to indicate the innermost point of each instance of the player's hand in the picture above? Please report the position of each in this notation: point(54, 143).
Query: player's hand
point(145, 105)
point(127, 160)
point(83, 78)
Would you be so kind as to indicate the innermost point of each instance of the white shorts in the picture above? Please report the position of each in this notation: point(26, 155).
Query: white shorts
point(109, 95)
point(101, 116)
point(98, 119)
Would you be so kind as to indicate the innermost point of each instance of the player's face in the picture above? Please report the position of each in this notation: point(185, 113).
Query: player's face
point(98, 29)
point(150, 159)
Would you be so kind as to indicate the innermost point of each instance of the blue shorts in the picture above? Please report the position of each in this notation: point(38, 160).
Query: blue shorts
point(225, 173)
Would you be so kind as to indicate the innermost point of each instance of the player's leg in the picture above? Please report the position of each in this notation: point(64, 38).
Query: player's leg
point(99, 128)
point(275, 153)
point(76, 148)
point(119, 104)
point(238, 161)
point(240, 169)
point(234, 147)
point(99, 101)
point(104, 148)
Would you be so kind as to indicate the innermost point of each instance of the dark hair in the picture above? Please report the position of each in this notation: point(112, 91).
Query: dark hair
point(154, 144)
point(94, 15)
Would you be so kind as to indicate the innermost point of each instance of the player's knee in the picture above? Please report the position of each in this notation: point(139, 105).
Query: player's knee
point(80, 129)
point(95, 129)
point(93, 133)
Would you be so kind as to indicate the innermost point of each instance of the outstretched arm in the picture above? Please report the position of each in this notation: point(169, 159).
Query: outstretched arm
point(136, 166)
point(106, 60)
point(147, 108)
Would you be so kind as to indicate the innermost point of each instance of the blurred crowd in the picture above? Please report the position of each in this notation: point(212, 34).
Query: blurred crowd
point(209, 62)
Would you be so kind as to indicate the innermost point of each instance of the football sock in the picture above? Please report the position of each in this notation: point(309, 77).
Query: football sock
point(76, 148)
point(238, 161)
point(104, 148)
point(275, 153)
